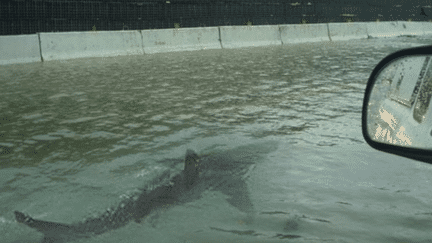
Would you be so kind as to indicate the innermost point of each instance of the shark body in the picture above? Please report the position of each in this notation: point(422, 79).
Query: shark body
point(172, 189)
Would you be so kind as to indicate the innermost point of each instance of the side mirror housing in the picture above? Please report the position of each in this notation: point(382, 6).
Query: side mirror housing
point(397, 109)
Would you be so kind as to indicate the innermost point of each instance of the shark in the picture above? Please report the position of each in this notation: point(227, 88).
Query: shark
point(221, 172)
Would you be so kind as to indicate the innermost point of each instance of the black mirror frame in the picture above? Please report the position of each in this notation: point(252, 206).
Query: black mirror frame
point(412, 153)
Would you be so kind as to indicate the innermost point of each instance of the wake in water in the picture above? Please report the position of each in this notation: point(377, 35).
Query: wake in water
point(222, 173)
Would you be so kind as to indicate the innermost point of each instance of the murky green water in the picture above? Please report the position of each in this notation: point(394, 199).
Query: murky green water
point(72, 126)
point(96, 109)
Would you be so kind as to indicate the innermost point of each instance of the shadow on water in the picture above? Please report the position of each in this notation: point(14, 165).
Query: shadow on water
point(224, 171)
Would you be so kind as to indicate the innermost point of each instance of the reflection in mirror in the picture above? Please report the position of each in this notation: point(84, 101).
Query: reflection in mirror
point(399, 111)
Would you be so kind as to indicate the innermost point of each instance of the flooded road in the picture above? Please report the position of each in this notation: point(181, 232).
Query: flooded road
point(79, 135)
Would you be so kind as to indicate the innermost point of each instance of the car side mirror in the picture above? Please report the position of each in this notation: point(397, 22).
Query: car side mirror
point(397, 109)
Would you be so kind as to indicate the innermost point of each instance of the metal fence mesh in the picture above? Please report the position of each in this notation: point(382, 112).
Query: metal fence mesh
point(32, 16)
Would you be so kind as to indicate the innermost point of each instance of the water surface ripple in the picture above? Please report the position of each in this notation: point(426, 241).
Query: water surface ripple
point(77, 136)
point(93, 109)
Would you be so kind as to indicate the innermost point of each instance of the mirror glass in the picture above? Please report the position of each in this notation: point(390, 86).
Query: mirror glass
point(399, 110)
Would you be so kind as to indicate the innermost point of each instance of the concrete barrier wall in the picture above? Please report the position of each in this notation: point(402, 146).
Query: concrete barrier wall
point(427, 28)
point(19, 49)
point(245, 36)
point(347, 31)
point(184, 39)
point(411, 28)
point(299, 33)
point(69, 45)
point(384, 29)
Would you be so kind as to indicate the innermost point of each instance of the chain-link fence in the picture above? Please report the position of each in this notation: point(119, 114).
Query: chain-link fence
point(32, 16)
